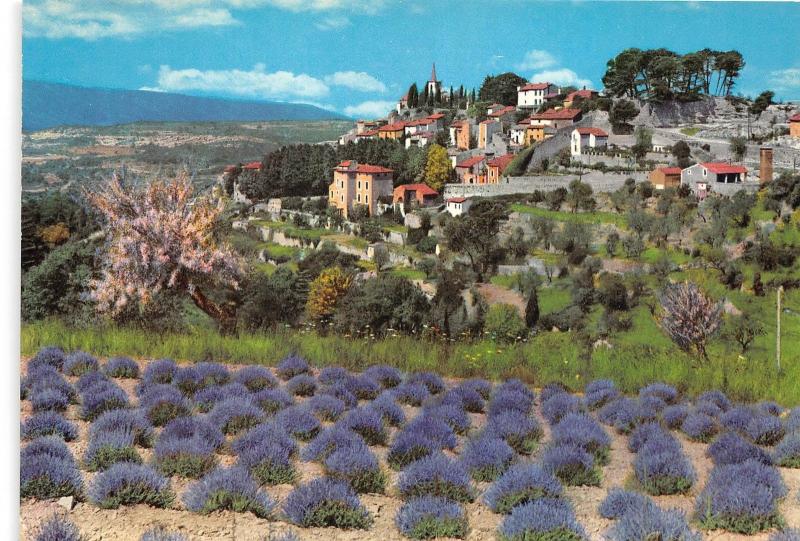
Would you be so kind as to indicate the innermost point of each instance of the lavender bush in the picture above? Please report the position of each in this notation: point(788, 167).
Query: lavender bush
point(642, 433)
point(262, 434)
point(299, 422)
point(292, 366)
point(487, 457)
point(436, 475)
point(58, 528)
point(619, 502)
point(108, 448)
point(464, 398)
point(368, 423)
point(329, 441)
point(358, 467)
point(598, 393)
point(412, 394)
point(454, 416)
point(186, 447)
point(787, 452)
point(510, 400)
point(430, 517)
point(652, 522)
point(159, 533)
point(272, 401)
point(386, 376)
point(673, 416)
point(662, 468)
point(700, 427)
point(326, 407)
point(667, 393)
point(481, 386)
point(717, 398)
point(765, 429)
point(789, 534)
point(581, 430)
point(325, 502)
point(48, 399)
point(332, 374)
point(90, 379)
point(521, 432)
point(121, 367)
point(212, 374)
point(432, 381)
point(435, 429)
point(47, 356)
point(390, 411)
point(235, 415)
point(133, 420)
point(737, 418)
point(46, 471)
point(541, 519)
point(206, 398)
point(301, 385)
point(79, 363)
point(255, 378)
point(163, 403)
point(48, 423)
point(339, 390)
point(231, 489)
point(126, 483)
point(160, 371)
point(520, 484)
point(410, 446)
point(571, 464)
point(103, 397)
point(270, 463)
point(731, 448)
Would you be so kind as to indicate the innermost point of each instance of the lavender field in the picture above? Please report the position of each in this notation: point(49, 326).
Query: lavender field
point(157, 450)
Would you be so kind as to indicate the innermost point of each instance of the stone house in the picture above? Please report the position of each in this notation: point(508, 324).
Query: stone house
point(359, 184)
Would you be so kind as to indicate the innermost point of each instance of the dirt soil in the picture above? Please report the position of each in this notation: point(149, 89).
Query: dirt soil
point(129, 522)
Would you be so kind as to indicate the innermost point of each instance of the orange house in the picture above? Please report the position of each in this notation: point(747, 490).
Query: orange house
point(665, 177)
point(794, 125)
point(535, 133)
point(574, 98)
point(419, 194)
point(558, 118)
point(394, 131)
point(359, 184)
point(472, 170)
point(495, 168)
point(459, 132)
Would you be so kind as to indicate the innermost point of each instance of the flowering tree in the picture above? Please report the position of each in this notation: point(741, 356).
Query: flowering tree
point(159, 239)
point(690, 318)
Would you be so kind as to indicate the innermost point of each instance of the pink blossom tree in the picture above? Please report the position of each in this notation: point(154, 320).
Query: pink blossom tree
point(160, 239)
point(690, 318)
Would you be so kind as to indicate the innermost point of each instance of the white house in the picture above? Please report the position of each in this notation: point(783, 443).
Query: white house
point(532, 95)
point(517, 133)
point(457, 206)
point(583, 138)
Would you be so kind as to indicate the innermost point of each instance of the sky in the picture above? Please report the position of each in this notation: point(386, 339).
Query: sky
point(357, 57)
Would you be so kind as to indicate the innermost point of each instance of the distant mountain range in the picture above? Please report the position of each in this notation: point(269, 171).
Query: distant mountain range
point(46, 105)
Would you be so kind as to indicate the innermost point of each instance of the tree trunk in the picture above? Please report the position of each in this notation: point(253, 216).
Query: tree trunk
point(223, 315)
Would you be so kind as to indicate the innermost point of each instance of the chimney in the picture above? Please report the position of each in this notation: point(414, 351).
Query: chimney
point(765, 171)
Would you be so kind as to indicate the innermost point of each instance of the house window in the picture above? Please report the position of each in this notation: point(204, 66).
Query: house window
point(359, 184)
point(366, 185)
point(366, 199)
point(705, 172)
point(359, 198)
point(342, 198)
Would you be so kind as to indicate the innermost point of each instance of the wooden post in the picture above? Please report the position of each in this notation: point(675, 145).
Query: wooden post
point(778, 330)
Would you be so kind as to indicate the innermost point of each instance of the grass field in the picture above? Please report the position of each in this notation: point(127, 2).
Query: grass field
point(634, 358)
point(589, 218)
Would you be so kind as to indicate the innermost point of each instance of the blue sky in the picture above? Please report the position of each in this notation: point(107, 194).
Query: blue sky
point(358, 56)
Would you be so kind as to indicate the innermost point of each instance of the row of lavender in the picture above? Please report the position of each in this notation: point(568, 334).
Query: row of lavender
point(268, 423)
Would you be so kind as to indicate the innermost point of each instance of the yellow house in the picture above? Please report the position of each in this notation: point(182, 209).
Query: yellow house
point(534, 133)
point(392, 131)
point(359, 184)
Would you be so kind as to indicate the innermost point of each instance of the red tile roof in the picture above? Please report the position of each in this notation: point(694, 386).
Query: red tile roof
point(586, 94)
point(469, 162)
point(397, 126)
point(592, 131)
point(534, 86)
point(557, 114)
point(670, 170)
point(458, 124)
point(489, 121)
point(795, 118)
point(231, 168)
point(253, 165)
point(456, 199)
point(436, 116)
point(368, 133)
point(501, 161)
point(421, 189)
point(723, 168)
point(504, 111)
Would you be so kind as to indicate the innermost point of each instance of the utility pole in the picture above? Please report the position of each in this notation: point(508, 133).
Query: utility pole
point(778, 330)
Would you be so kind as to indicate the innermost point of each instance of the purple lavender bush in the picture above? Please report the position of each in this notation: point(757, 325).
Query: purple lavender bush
point(673, 416)
point(330, 440)
point(90, 379)
point(787, 452)
point(292, 366)
point(429, 517)
point(436, 475)
point(559, 406)
point(435, 429)
point(188, 380)
point(325, 502)
point(121, 367)
point(652, 522)
point(622, 414)
point(326, 407)
point(48, 399)
point(765, 429)
point(262, 434)
point(481, 386)
point(598, 393)
point(255, 378)
point(107, 448)
point(48, 356)
point(453, 415)
point(789, 534)
point(368, 423)
point(270, 463)
point(358, 467)
point(521, 432)
point(386, 376)
point(272, 401)
point(793, 420)
point(741, 498)
point(230, 489)
point(48, 470)
point(581, 430)
point(642, 433)
point(301, 385)
point(700, 427)
point(619, 502)
point(662, 468)
point(464, 398)
point(57, 528)
point(770, 408)
point(408, 447)
point(235, 415)
point(667, 393)
point(516, 385)
point(737, 418)
point(212, 374)
point(186, 447)
point(299, 422)
point(521, 483)
point(541, 519)
point(133, 420)
point(48, 423)
point(126, 483)
point(160, 371)
point(206, 398)
point(340, 390)
point(390, 411)
point(433, 382)
point(332, 374)
point(717, 398)
point(411, 394)
point(103, 397)
point(163, 403)
point(45, 377)
point(79, 363)
point(510, 400)
point(487, 457)
point(571, 464)
point(731, 448)
point(365, 388)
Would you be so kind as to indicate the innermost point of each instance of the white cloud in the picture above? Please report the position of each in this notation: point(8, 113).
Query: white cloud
point(356, 80)
point(335, 22)
point(257, 83)
point(785, 79)
point(562, 76)
point(151, 89)
point(96, 19)
point(537, 59)
point(369, 109)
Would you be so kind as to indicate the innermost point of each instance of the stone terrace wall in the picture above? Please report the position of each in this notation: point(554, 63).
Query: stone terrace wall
point(599, 182)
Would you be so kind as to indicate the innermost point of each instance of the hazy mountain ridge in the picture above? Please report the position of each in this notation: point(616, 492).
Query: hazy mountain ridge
point(46, 105)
